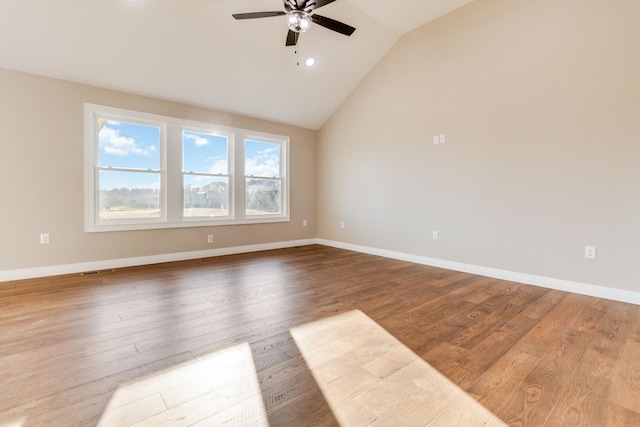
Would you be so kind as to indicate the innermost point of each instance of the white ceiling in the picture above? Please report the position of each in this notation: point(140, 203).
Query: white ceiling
point(193, 51)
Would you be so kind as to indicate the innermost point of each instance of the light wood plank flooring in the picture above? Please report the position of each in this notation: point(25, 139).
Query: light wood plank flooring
point(312, 336)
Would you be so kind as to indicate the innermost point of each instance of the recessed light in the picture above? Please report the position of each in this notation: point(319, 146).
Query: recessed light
point(310, 62)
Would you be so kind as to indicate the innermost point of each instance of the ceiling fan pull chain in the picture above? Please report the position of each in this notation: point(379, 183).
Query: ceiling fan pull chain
point(298, 54)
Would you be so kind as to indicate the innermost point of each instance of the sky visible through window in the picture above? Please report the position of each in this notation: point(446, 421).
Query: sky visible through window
point(137, 147)
point(262, 159)
point(130, 146)
point(205, 153)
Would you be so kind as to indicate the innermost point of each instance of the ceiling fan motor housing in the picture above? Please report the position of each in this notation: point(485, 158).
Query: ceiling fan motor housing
point(299, 18)
point(299, 21)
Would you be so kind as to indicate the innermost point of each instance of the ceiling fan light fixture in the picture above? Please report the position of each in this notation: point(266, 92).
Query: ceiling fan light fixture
point(299, 21)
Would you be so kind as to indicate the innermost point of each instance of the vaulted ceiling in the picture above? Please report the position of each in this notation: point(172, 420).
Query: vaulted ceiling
point(193, 51)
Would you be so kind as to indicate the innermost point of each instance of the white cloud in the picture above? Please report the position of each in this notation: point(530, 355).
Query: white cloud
point(112, 142)
point(263, 165)
point(197, 140)
point(219, 166)
point(268, 151)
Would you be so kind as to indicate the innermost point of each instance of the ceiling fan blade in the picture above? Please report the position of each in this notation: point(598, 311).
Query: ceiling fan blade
point(334, 25)
point(254, 15)
point(317, 4)
point(292, 38)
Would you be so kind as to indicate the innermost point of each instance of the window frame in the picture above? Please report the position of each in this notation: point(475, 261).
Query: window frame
point(280, 177)
point(230, 169)
point(171, 172)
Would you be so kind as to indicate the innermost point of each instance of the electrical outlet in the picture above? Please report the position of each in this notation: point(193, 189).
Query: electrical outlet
point(436, 139)
point(210, 238)
point(304, 223)
point(590, 252)
point(44, 239)
point(441, 139)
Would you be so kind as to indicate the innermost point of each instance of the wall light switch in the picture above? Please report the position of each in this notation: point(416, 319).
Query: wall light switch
point(341, 224)
point(441, 139)
point(304, 223)
point(436, 139)
point(44, 239)
point(434, 235)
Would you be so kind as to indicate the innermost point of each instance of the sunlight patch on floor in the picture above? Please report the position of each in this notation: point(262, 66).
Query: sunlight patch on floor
point(210, 391)
point(368, 377)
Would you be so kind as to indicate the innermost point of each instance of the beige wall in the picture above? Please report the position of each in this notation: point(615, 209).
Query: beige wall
point(42, 173)
point(540, 104)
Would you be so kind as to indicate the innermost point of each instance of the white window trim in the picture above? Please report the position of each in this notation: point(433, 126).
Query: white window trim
point(231, 154)
point(171, 172)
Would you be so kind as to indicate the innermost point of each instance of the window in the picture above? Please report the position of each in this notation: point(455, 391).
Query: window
point(205, 174)
point(146, 171)
point(129, 174)
point(262, 178)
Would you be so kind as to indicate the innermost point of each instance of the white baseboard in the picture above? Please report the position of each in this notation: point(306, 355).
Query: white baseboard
point(30, 273)
point(546, 282)
point(529, 279)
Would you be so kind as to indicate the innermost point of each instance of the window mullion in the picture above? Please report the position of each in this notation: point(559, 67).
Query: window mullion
point(239, 175)
point(173, 162)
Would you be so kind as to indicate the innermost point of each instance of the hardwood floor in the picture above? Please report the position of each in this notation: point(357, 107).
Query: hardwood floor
point(312, 336)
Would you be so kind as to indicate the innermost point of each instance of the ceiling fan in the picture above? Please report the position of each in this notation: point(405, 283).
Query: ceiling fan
point(300, 16)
